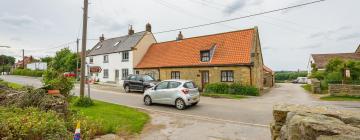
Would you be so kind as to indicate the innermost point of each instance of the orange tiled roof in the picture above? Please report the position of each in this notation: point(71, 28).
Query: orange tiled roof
point(231, 48)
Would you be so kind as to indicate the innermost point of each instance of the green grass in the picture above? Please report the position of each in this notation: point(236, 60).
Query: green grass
point(307, 87)
point(340, 98)
point(228, 96)
point(12, 85)
point(115, 118)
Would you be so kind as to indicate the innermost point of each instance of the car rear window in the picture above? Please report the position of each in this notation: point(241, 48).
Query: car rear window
point(189, 85)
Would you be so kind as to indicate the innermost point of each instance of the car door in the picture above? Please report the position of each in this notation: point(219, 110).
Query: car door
point(171, 93)
point(160, 90)
point(132, 82)
point(139, 82)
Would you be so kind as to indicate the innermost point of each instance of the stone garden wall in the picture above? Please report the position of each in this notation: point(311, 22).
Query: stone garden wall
point(344, 90)
point(297, 122)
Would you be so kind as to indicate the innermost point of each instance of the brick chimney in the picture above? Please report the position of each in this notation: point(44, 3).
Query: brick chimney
point(148, 27)
point(180, 36)
point(102, 38)
point(131, 31)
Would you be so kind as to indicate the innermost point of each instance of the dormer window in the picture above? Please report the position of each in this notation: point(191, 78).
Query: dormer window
point(205, 56)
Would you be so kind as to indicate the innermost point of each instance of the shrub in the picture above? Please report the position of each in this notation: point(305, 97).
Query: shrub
point(31, 123)
point(83, 102)
point(234, 88)
point(55, 80)
point(220, 88)
point(27, 72)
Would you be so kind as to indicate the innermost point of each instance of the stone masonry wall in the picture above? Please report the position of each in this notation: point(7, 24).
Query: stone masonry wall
point(344, 90)
point(297, 122)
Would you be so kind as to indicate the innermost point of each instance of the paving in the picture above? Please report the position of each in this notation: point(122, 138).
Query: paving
point(235, 119)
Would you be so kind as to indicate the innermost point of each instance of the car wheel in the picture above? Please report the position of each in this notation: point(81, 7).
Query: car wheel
point(147, 100)
point(127, 89)
point(194, 104)
point(180, 104)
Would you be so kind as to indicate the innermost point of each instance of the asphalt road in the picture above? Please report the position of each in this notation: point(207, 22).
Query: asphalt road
point(252, 111)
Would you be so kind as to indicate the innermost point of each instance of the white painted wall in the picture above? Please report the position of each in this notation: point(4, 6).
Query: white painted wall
point(37, 66)
point(115, 63)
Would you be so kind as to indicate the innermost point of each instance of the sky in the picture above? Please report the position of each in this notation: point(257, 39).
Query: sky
point(42, 27)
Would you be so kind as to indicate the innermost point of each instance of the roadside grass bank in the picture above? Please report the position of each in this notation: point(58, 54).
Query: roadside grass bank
point(340, 98)
point(15, 86)
point(307, 87)
point(116, 119)
point(227, 96)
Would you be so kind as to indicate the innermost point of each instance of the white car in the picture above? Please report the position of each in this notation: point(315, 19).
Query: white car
point(181, 93)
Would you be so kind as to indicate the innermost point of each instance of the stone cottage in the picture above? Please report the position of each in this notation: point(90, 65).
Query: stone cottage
point(224, 57)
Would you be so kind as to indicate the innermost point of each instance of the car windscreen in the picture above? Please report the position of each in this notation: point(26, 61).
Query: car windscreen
point(189, 85)
point(148, 78)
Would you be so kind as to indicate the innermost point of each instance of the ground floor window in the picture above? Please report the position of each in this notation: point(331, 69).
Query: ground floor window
point(137, 72)
point(106, 73)
point(125, 73)
point(175, 75)
point(227, 76)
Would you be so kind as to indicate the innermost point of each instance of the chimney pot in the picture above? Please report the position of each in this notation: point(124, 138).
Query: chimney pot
point(148, 27)
point(102, 38)
point(180, 36)
point(131, 31)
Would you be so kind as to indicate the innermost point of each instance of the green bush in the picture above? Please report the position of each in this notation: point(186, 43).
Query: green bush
point(83, 102)
point(220, 88)
point(27, 72)
point(234, 88)
point(57, 81)
point(31, 123)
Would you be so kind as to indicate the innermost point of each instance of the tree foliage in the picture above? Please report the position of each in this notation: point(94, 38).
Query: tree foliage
point(64, 61)
point(334, 71)
point(7, 60)
point(289, 75)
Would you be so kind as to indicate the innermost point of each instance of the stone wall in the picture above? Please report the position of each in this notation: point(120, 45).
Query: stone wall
point(344, 90)
point(241, 74)
point(297, 122)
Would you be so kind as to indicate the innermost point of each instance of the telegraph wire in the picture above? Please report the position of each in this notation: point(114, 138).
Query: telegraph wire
point(206, 24)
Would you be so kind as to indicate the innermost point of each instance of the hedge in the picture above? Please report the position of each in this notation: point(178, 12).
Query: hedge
point(234, 88)
point(27, 72)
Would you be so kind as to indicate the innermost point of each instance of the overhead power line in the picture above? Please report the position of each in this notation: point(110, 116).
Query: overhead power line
point(210, 23)
point(242, 17)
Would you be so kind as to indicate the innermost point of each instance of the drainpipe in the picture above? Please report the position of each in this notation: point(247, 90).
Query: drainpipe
point(251, 80)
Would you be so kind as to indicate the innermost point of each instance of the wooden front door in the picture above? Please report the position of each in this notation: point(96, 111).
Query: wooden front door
point(204, 79)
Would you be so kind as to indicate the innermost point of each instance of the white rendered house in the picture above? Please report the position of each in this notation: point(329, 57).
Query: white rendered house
point(117, 57)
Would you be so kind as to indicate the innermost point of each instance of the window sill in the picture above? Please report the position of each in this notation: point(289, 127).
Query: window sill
point(105, 62)
point(125, 60)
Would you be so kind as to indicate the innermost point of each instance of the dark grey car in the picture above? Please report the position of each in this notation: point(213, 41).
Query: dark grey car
point(138, 82)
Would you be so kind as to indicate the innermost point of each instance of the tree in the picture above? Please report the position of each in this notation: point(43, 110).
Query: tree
point(47, 60)
point(7, 60)
point(64, 61)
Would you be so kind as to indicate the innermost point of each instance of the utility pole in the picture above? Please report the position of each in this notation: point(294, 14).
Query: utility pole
point(83, 49)
point(23, 58)
point(77, 59)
